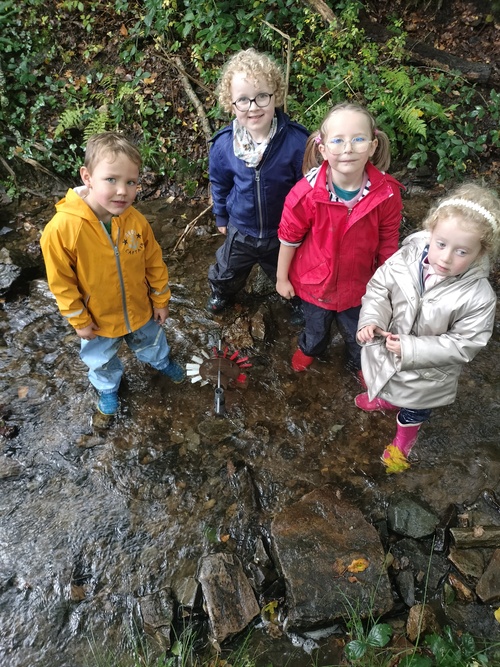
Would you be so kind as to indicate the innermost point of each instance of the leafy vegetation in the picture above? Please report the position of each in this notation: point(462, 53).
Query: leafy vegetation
point(72, 68)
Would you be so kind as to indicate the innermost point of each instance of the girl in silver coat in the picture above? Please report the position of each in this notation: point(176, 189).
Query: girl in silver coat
point(428, 311)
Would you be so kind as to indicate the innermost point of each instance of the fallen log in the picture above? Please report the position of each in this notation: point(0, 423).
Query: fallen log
point(424, 54)
point(477, 537)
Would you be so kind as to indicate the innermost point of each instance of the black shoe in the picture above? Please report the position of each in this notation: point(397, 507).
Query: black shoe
point(216, 304)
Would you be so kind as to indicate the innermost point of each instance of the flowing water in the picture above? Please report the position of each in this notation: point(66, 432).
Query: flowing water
point(94, 519)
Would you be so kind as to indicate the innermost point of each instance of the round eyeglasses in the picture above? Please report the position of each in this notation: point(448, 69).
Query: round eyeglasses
point(261, 100)
point(358, 145)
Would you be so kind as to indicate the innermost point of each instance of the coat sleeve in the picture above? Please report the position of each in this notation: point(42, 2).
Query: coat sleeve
point(221, 182)
point(391, 216)
point(156, 270)
point(470, 332)
point(297, 216)
point(376, 304)
point(60, 262)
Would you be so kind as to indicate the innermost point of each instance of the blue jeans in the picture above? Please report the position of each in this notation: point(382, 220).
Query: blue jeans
point(101, 354)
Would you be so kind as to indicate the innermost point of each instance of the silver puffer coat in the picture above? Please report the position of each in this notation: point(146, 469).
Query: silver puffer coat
point(440, 329)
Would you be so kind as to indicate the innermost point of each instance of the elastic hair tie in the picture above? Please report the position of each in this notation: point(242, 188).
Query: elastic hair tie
point(375, 132)
point(317, 139)
point(465, 203)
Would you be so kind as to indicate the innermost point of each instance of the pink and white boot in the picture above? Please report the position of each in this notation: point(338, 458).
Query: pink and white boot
point(377, 405)
point(395, 456)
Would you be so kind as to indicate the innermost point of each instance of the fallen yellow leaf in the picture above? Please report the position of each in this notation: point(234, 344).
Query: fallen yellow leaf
point(394, 460)
point(358, 565)
point(497, 614)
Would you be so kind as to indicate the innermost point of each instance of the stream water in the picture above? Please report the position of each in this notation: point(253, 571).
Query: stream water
point(93, 519)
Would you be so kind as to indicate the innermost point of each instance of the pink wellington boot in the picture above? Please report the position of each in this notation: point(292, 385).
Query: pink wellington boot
point(363, 403)
point(301, 361)
point(395, 455)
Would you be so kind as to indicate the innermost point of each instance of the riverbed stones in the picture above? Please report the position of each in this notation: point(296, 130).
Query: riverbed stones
point(214, 429)
point(157, 612)
point(229, 599)
point(410, 516)
point(331, 559)
point(488, 587)
point(9, 272)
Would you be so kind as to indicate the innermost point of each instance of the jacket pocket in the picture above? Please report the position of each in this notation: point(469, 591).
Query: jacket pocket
point(433, 374)
point(317, 275)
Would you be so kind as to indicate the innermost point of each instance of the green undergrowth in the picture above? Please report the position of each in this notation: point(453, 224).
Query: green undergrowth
point(71, 68)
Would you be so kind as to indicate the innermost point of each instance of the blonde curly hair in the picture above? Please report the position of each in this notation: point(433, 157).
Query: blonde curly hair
point(254, 65)
point(479, 210)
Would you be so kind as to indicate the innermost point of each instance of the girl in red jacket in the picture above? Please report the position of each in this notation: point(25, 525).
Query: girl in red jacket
point(339, 223)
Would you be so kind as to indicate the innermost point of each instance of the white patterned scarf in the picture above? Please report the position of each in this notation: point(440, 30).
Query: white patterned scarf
point(245, 148)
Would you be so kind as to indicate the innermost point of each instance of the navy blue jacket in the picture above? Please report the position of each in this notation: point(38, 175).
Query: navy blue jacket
point(252, 198)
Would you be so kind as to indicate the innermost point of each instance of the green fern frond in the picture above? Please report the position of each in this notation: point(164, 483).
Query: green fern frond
point(398, 80)
point(70, 118)
point(412, 117)
point(97, 124)
point(108, 82)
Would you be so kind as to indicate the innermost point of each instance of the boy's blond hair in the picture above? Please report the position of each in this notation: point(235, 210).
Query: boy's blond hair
point(380, 159)
point(109, 144)
point(254, 65)
point(479, 210)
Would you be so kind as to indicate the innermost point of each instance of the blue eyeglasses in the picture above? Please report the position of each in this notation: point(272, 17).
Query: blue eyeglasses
point(358, 145)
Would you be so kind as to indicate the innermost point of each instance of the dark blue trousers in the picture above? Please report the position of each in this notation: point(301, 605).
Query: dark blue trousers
point(235, 259)
point(315, 337)
point(413, 416)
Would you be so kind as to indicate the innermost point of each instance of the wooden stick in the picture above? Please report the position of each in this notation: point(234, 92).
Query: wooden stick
point(190, 226)
point(288, 60)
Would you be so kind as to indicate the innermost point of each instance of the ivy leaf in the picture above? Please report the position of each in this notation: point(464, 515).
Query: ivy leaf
point(379, 635)
point(355, 650)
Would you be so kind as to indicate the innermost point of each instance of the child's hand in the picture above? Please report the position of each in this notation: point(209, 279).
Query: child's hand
point(393, 344)
point(160, 314)
point(368, 333)
point(222, 230)
point(285, 288)
point(88, 332)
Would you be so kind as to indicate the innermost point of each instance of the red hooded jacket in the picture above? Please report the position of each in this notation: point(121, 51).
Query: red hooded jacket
point(340, 247)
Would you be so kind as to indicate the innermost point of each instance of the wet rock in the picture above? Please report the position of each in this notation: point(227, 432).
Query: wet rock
point(442, 529)
point(331, 558)
point(406, 586)
point(157, 615)
point(184, 584)
point(461, 590)
point(229, 598)
point(258, 326)
point(214, 429)
point(428, 568)
point(421, 621)
point(238, 334)
point(488, 587)
point(410, 516)
point(476, 537)
point(476, 619)
point(10, 468)
point(469, 562)
point(9, 272)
